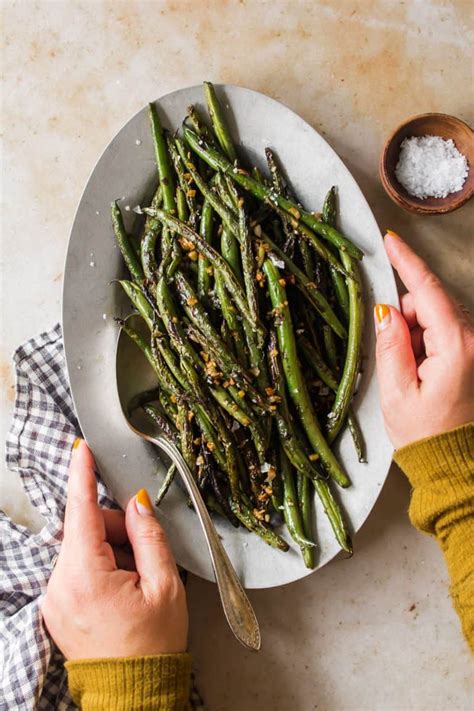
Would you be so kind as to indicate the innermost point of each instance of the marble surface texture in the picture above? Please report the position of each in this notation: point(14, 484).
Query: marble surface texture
point(374, 633)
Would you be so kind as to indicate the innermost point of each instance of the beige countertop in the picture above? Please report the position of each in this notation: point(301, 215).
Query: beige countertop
point(375, 632)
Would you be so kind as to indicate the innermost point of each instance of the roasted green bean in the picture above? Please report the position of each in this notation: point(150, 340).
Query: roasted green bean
point(253, 313)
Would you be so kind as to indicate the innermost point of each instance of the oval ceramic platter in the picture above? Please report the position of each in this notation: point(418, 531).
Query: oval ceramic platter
point(127, 170)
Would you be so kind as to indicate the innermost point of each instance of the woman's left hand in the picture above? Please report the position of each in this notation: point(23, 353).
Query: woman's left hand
point(101, 600)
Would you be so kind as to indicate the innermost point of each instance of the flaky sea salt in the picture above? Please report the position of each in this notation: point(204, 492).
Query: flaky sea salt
point(277, 262)
point(430, 166)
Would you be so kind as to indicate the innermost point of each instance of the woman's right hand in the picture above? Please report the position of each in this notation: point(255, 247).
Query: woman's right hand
point(425, 354)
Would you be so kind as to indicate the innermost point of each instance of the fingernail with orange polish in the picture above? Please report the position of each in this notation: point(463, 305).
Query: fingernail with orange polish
point(77, 442)
point(382, 316)
point(392, 233)
point(143, 502)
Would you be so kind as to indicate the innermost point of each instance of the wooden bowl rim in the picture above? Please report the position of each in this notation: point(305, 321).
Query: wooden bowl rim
point(412, 203)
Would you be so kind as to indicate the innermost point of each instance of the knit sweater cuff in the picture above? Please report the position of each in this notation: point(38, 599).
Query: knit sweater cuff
point(150, 683)
point(447, 456)
point(441, 471)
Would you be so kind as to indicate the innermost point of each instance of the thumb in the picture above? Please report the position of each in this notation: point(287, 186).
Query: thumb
point(396, 365)
point(153, 557)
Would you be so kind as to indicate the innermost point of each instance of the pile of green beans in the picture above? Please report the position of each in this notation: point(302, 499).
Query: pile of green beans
point(253, 308)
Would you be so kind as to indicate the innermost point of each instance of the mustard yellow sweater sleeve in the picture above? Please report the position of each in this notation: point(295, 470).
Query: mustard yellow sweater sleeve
point(153, 683)
point(441, 472)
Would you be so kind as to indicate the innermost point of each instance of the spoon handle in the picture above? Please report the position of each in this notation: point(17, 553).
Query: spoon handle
point(237, 607)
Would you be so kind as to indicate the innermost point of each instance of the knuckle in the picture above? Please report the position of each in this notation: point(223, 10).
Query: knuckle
point(430, 281)
point(153, 535)
point(167, 591)
point(385, 346)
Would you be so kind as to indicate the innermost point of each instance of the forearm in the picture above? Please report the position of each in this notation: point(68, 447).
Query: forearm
point(152, 683)
point(441, 472)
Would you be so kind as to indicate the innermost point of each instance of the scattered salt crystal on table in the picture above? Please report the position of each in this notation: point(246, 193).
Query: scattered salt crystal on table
point(92, 264)
point(430, 166)
point(138, 142)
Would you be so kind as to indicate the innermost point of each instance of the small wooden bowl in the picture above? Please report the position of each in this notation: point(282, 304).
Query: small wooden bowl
point(433, 125)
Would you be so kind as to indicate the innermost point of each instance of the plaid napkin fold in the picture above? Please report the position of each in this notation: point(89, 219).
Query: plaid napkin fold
point(38, 447)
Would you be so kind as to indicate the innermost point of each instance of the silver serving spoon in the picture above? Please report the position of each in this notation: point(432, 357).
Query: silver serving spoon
point(133, 371)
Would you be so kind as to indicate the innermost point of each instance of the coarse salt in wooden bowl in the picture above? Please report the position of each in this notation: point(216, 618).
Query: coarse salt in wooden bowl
point(441, 125)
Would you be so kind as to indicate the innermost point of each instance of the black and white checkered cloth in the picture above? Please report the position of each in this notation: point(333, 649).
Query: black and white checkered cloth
point(44, 427)
point(39, 445)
